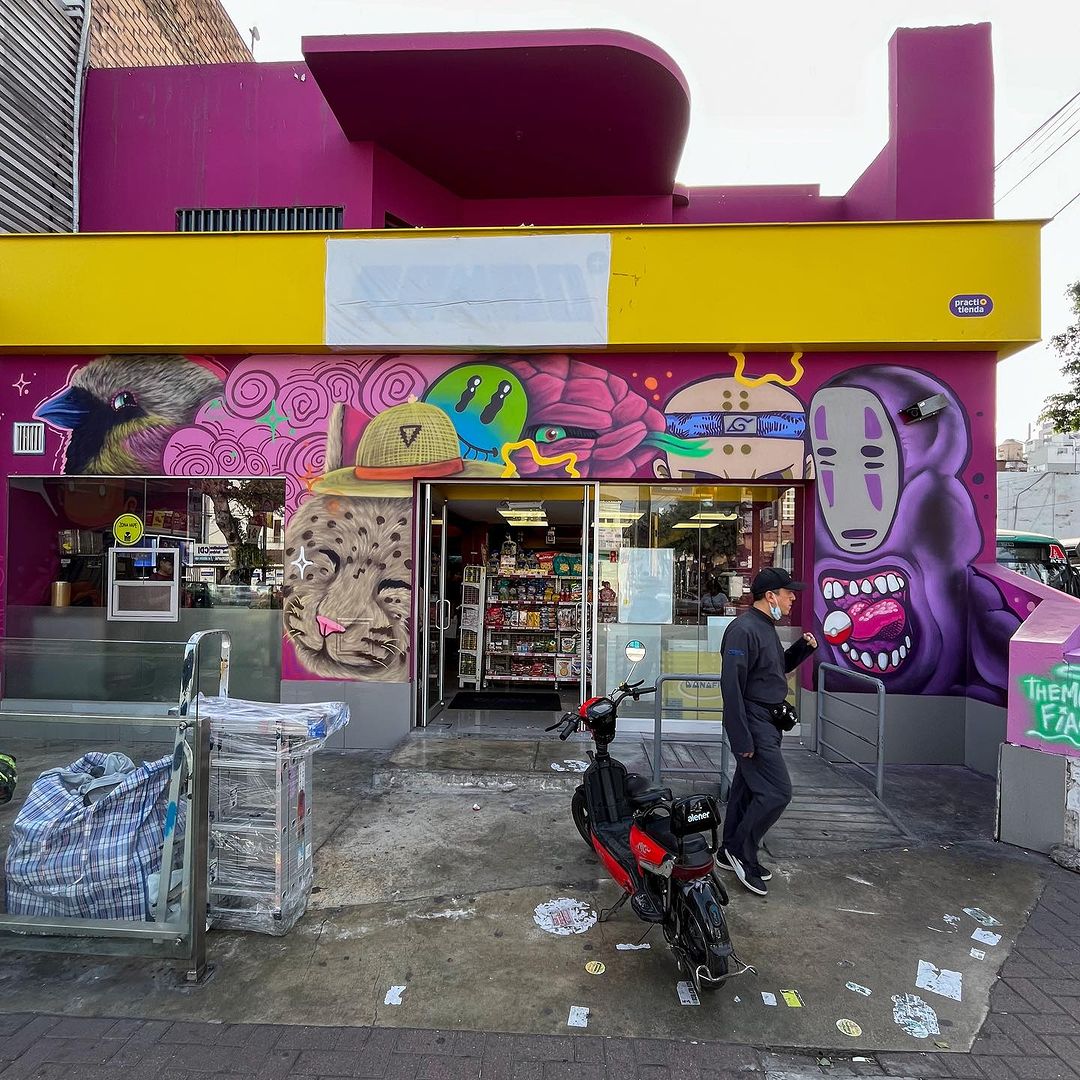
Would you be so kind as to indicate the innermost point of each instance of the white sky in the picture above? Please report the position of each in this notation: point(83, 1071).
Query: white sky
point(791, 92)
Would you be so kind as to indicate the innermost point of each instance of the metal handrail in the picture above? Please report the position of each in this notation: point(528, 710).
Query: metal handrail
point(658, 727)
point(183, 936)
point(823, 694)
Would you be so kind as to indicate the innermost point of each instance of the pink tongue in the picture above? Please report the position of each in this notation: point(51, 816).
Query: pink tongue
point(328, 626)
point(885, 619)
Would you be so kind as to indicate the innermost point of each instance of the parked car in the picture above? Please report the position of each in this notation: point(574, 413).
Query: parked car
point(1039, 557)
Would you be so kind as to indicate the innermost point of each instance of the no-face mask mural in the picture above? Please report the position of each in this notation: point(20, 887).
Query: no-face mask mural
point(897, 531)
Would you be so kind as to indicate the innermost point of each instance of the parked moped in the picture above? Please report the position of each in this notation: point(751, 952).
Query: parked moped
point(652, 844)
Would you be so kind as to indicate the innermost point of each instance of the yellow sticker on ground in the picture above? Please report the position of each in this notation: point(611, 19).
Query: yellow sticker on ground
point(849, 1027)
point(594, 967)
point(792, 999)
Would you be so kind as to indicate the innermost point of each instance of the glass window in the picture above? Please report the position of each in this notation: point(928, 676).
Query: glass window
point(675, 567)
point(223, 537)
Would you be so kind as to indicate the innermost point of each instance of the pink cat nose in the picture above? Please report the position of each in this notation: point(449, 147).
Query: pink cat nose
point(328, 626)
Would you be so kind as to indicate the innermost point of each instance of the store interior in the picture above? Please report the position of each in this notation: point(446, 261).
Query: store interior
point(536, 590)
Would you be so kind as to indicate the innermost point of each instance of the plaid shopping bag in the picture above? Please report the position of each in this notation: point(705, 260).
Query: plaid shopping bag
point(72, 859)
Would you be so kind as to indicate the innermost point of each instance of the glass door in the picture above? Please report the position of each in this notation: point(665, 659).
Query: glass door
point(590, 587)
point(433, 608)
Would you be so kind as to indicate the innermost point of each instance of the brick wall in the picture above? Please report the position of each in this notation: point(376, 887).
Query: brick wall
point(144, 33)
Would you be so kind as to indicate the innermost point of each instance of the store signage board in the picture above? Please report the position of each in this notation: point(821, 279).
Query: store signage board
point(127, 530)
point(468, 291)
point(207, 554)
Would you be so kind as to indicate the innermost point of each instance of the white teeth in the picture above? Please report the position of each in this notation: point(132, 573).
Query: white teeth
point(907, 642)
point(881, 585)
point(826, 590)
point(831, 590)
point(893, 582)
point(867, 588)
point(900, 580)
point(846, 647)
point(853, 588)
point(903, 652)
point(867, 659)
point(895, 657)
point(882, 661)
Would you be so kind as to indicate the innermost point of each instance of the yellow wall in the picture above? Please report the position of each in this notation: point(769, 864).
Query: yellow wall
point(725, 287)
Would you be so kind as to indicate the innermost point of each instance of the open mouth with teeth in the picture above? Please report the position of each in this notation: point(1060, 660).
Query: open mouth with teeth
point(868, 620)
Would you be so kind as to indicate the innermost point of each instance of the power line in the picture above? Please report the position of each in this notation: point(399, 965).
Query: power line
point(1036, 168)
point(1067, 205)
point(1028, 138)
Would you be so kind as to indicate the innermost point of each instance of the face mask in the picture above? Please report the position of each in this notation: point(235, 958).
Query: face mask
point(776, 613)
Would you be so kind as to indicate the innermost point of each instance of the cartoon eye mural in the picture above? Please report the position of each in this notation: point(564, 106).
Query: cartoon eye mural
point(124, 400)
point(553, 433)
point(487, 405)
point(858, 464)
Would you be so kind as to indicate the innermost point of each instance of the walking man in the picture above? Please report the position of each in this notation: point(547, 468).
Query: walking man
point(753, 682)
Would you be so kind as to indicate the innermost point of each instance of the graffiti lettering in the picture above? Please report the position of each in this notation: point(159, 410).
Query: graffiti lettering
point(1055, 701)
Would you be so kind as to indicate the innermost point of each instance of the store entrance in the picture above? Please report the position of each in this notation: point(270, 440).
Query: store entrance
point(505, 600)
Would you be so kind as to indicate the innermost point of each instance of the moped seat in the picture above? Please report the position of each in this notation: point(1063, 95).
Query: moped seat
point(695, 850)
point(642, 796)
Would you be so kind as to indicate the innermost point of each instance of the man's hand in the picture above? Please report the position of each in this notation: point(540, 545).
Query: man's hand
point(810, 640)
point(747, 755)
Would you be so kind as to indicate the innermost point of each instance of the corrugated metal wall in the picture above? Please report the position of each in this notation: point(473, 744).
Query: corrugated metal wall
point(39, 58)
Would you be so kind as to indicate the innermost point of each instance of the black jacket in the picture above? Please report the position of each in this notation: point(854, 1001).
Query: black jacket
point(754, 666)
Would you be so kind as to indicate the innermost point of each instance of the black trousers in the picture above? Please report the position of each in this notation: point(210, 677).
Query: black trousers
point(760, 793)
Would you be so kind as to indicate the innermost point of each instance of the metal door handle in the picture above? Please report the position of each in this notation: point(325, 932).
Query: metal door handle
point(439, 625)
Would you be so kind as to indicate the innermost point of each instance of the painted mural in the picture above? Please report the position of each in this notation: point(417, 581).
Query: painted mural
point(897, 532)
point(898, 525)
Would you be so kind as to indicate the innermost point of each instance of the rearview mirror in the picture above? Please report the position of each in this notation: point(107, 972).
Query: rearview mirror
point(635, 651)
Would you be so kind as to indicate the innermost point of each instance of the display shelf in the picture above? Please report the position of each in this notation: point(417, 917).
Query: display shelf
point(524, 655)
point(530, 678)
point(471, 626)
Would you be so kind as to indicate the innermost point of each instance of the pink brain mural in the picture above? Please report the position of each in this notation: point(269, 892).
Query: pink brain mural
point(578, 408)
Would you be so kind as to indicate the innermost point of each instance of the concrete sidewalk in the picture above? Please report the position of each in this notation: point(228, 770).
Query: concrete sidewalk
point(1031, 1033)
point(417, 888)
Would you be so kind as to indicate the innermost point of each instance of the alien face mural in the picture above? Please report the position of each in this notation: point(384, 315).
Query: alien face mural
point(897, 530)
point(121, 411)
point(721, 428)
point(487, 405)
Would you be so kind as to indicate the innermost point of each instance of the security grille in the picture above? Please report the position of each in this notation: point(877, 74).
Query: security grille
point(28, 438)
point(261, 219)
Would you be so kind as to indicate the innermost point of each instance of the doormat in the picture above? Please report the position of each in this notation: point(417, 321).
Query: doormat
point(540, 701)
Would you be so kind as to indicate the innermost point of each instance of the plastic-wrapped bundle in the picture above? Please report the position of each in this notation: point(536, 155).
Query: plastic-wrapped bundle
point(260, 809)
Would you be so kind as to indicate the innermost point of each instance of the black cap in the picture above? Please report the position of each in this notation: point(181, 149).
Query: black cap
point(771, 579)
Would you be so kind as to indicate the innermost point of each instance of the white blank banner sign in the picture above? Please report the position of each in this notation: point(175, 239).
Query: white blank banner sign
point(470, 291)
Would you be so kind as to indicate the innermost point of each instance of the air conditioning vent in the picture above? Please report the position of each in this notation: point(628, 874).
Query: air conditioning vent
point(261, 219)
point(28, 438)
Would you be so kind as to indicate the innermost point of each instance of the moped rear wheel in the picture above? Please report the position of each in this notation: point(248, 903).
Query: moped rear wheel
point(705, 943)
point(580, 810)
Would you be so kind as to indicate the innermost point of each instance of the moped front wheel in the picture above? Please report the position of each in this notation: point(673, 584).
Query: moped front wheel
point(580, 810)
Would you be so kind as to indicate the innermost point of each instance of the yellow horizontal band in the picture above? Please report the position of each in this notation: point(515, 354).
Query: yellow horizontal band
point(812, 287)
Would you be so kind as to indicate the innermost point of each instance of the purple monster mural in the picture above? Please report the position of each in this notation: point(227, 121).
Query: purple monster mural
point(897, 534)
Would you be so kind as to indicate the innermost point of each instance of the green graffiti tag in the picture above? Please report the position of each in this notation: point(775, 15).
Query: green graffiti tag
point(1055, 700)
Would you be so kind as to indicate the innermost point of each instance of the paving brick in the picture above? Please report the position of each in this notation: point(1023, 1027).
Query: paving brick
point(310, 1038)
point(1046, 1068)
point(995, 1068)
point(443, 1067)
point(1068, 1049)
point(1003, 998)
point(27, 1035)
point(10, 1024)
point(424, 1042)
point(1031, 993)
point(505, 1069)
point(1015, 1028)
point(203, 1034)
point(588, 1050)
point(921, 1065)
point(80, 1027)
point(531, 1047)
point(572, 1070)
point(962, 1066)
point(652, 1052)
point(1055, 1024)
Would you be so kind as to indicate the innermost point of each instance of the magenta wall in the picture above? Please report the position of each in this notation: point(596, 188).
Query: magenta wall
point(224, 135)
point(234, 135)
